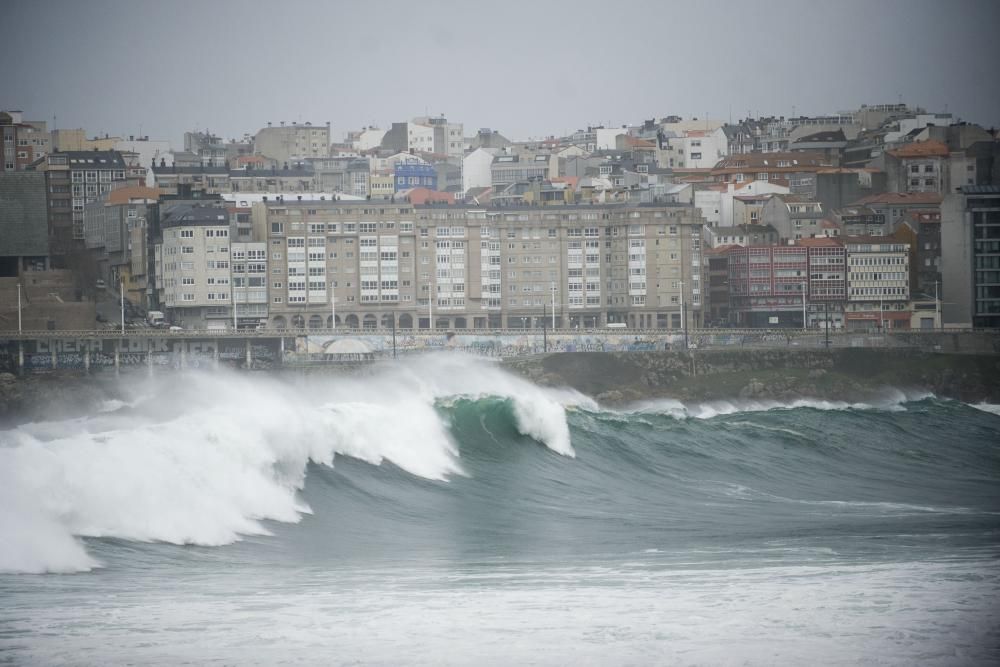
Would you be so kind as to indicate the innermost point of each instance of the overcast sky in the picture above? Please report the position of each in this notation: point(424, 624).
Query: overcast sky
point(527, 69)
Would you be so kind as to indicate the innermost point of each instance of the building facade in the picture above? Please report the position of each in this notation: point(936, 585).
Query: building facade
point(768, 286)
point(878, 280)
point(289, 143)
point(21, 142)
point(798, 286)
point(970, 257)
point(374, 264)
point(409, 175)
point(24, 243)
point(109, 223)
point(193, 276)
point(73, 180)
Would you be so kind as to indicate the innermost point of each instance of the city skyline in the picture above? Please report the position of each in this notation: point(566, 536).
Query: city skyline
point(521, 75)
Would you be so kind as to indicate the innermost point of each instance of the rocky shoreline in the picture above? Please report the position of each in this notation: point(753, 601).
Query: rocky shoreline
point(50, 395)
point(851, 375)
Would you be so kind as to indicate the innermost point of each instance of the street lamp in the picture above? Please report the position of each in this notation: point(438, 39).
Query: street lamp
point(683, 318)
point(881, 321)
point(804, 321)
point(553, 290)
point(937, 305)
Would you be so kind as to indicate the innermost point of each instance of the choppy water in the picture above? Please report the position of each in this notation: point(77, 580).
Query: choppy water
point(444, 512)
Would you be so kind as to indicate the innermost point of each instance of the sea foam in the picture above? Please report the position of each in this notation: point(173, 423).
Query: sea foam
point(211, 457)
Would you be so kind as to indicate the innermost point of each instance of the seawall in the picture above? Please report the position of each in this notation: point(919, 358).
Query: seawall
point(840, 374)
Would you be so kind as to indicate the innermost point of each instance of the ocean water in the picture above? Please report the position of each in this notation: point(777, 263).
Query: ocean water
point(443, 511)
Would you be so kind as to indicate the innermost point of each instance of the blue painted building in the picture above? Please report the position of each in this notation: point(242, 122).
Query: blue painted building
point(415, 175)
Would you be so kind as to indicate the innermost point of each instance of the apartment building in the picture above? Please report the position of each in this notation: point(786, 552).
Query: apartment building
point(288, 143)
point(189, 180)
point(860, 221)
point(878, 281)
point(696, 148)
point(922, 166)
point(73, 180)
point(925, 227)
point(827, 289)
point(893, 206)
point(788, 286)
point(506, 170)
point(108, 225)
point(192, 266)
point(249, 281)
point(209, 149)
point(970, 257)
point(449, 138)
point(768, 285)
point(796, 170)
point(793, 216)
point(375, 264)
point(21, 142)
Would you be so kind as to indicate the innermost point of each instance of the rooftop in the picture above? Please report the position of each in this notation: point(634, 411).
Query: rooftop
point(822, 137)
point(904, 198)
point(921, 149)
point(819, 242)
point(192, 216)
point(125, 195)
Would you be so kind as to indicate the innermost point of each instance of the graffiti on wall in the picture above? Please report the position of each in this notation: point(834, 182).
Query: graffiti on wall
point(491, 345)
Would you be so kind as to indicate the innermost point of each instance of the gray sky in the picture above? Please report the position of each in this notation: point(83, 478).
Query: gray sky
point(525, 68)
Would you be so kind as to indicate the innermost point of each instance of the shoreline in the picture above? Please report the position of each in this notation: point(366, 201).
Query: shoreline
point(617, 378)
point(847, 375)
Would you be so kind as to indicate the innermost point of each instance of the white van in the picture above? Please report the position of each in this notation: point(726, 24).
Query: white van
point(617, 325)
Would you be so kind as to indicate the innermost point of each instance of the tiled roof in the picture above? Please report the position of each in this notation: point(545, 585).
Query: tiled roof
point(900, 198)
point(418, 196)
point(796, 161)
point(722, 249)
point(570, 181)
point(921, 149)
point(124, 195)
point(635, 142)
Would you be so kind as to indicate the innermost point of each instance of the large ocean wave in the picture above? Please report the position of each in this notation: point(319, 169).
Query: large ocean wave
point(210, 459)
point(205, 458)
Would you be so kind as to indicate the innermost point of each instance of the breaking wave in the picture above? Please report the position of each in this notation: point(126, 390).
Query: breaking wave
point(407, 451)
point(213, 456)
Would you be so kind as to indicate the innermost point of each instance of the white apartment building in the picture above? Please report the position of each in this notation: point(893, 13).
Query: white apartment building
point(476, 169)
point(193, 274)
point(249, 280)
point(878, 284)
